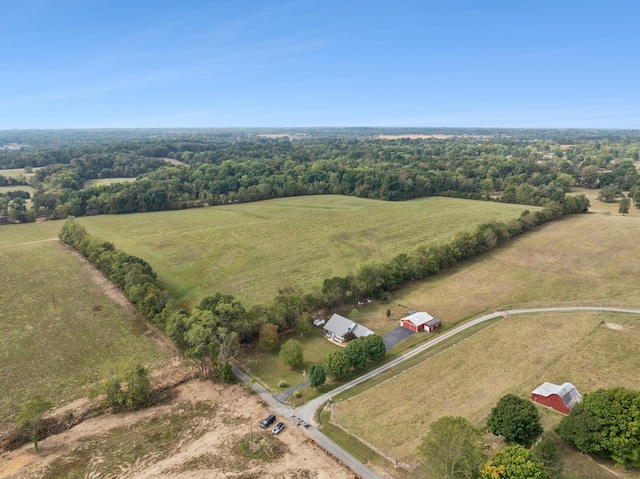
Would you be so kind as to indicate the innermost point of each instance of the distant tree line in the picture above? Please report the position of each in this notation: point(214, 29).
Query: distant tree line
point(236, 169)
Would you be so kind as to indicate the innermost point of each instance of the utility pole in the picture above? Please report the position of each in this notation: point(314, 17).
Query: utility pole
point(304, 375)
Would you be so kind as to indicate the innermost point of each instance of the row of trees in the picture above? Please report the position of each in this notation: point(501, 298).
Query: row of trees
point(131, 274)
point(377, 278)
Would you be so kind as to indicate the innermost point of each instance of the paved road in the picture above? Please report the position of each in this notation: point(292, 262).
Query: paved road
point(306, 413)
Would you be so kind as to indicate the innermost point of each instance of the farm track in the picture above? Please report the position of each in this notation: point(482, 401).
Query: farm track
point(28, 242)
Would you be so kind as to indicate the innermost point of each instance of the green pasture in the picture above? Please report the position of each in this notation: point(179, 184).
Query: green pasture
point(107, 181)
point(17, 173)
point(253, 250)
point(59, 328)
point(28, 232)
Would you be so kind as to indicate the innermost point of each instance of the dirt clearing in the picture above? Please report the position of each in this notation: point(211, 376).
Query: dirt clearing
point(202, 432)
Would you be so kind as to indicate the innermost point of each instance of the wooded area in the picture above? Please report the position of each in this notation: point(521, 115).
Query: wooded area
point(180, 169)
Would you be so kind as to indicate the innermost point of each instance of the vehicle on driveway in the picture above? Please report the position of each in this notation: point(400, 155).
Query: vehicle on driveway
point(278, 429)
point(267, 421)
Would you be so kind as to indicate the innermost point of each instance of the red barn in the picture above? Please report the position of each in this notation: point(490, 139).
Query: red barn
point(420, 322)
point(560, 398)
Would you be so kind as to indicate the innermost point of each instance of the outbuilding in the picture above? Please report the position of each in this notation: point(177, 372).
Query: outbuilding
point(560, 398)
point(420, 322)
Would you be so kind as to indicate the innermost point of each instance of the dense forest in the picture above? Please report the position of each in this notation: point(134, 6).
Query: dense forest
point(177, 169)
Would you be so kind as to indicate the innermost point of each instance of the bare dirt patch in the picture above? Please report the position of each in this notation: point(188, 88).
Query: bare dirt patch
point(215, 420)
point(614, 326)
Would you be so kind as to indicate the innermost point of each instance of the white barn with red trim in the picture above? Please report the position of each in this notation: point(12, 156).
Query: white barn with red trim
point(420, 322)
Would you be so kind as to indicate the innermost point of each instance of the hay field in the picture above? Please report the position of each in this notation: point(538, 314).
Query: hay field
point(515, 355)
point(59, 326)
point(11, 235)
point(18, 172)
point(252, 250)
point(107, 181)
point(589, 260)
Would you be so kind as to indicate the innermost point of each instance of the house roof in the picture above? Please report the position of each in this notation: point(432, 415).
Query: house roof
point(567, 392)
point(339, 325)
point(421, 318)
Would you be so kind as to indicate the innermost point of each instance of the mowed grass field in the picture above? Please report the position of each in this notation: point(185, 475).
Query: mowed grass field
point(514, 355)
point(590, 259)
point(107, 181)
point(59, 328)
point(17, 172)
point(253, 250)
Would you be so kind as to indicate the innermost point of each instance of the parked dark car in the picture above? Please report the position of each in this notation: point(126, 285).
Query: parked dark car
point(267, 421)
point(279, 427)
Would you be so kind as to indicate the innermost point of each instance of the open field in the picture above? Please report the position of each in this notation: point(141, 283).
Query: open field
point(586, 259)
point(252, 250)
point(590, 259)
point(17, 172)
point(60, 327)
point(107, 181)
point(27, 232)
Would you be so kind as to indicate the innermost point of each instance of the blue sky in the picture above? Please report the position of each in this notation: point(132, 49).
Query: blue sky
point(118, 64)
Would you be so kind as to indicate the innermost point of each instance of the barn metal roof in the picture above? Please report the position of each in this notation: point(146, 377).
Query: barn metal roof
point(566, 391)
point(421, 318)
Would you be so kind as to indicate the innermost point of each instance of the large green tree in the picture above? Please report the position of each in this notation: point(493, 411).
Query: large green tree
point(516, 419)
point(126, 386)
point(337, 365)
point(268, 338)
point(452, 449)
point(317, 376)
point(624, 206)
point(514, 462)
point(374, 345)
point(356, 353)
point(606, 422)
point(291, 353)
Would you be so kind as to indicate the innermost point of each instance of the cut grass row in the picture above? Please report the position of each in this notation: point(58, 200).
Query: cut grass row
point(59, 328)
